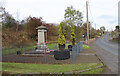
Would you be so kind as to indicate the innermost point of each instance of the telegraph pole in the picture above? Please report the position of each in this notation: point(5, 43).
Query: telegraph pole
point(95, 26)
point(87, 23)
point(17, 17)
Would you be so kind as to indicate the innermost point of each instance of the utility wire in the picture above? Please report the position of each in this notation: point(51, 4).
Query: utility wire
point(113, 10)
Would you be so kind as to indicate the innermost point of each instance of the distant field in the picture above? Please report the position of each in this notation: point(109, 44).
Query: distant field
point(47, 68)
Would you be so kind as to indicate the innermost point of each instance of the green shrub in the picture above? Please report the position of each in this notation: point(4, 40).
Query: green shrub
point(61, 39)
point(73, 36)
point(113, 33)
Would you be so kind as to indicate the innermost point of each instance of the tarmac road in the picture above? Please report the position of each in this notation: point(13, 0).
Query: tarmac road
point(105, 43)
point(108, 52)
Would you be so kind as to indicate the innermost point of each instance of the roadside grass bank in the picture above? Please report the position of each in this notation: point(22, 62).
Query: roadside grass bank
point(116, 40)
point(95, 71)
point(14, 68)
point(51, 46)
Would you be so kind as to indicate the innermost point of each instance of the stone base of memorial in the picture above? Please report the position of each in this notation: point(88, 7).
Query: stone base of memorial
point(41, 48)
point(43, 51)
point(62, 55)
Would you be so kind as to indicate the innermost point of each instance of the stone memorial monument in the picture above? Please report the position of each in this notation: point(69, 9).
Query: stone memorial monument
point(42, 37)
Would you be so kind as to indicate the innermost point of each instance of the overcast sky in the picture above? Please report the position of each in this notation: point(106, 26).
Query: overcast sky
point(101, 12)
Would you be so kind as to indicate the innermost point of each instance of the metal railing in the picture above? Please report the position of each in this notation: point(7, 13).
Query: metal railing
point(76, 49)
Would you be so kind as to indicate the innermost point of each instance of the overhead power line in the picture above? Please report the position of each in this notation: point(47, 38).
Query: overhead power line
point(108, 9)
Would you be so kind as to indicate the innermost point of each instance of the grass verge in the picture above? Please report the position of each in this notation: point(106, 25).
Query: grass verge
point(14, 68)
point(116, 40)
point(95, 71)
point(86, 46)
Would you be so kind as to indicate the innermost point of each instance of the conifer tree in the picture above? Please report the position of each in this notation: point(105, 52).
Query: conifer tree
point(73, 36)
point(61, 39)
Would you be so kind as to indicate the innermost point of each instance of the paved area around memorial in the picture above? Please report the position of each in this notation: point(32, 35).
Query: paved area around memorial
point(85, 56)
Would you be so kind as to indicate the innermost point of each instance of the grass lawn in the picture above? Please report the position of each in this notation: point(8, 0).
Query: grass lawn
point(55, 46)
point(51, 46)
point(14, 68)
point(11, 51)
